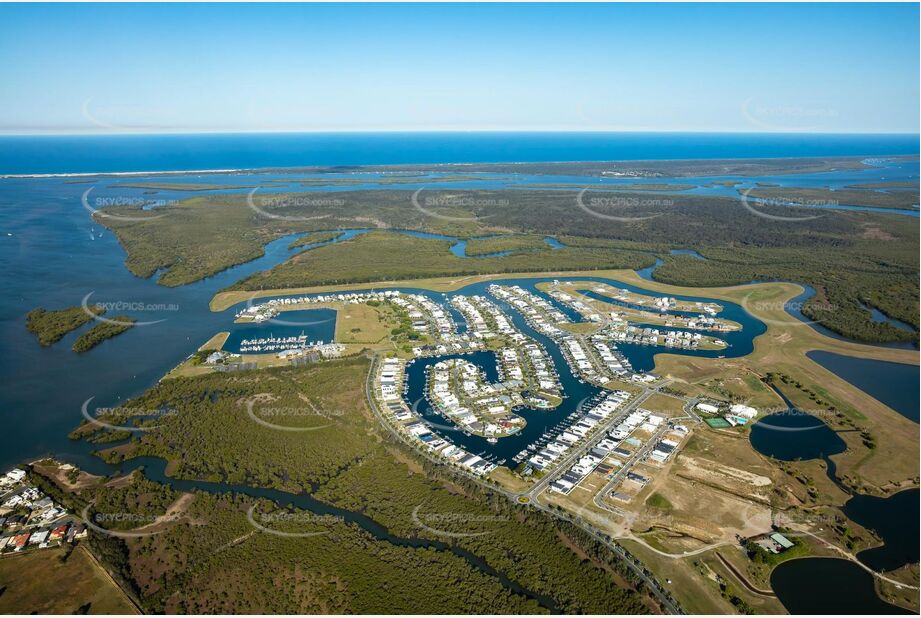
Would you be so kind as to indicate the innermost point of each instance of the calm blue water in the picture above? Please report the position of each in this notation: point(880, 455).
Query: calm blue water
point(895, 521)
point(894, 384)
point(795, 435)
point(828, 586)
point(689, 252)
point(315, 324)
point(130, 153)
point(881, 318)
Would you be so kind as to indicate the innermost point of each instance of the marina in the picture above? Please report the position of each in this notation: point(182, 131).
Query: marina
point(296, 330)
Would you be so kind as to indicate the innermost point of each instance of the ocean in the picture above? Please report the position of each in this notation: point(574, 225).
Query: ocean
point(134, 153)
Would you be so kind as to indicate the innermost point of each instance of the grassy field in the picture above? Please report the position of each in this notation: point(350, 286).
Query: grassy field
point(361, 323)
point(782, 348)
point(664, 403)
point(658, 501)
point(216, 342)
point(696, 595)
point(42, 582)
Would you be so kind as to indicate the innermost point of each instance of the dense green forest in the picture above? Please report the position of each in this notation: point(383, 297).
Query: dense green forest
point(847, 255)
point(378, 256)
point(521, 560)
point(848, 196)
point(104, 330)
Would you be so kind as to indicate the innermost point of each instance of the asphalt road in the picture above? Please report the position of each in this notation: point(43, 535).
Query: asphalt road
point(642, 573)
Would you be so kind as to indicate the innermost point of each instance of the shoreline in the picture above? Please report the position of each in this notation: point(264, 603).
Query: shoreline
point(392, 168)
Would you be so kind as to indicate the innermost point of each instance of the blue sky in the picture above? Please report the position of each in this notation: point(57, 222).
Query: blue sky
point(677, 67)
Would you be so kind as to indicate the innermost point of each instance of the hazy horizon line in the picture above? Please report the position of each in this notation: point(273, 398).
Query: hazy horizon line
point(112, 133)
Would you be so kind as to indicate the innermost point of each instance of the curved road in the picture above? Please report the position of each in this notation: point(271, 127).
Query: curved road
point(661, 595)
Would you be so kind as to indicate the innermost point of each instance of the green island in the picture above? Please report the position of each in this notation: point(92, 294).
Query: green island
point(51, 325)
point(106, 329)
point(313, 237)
